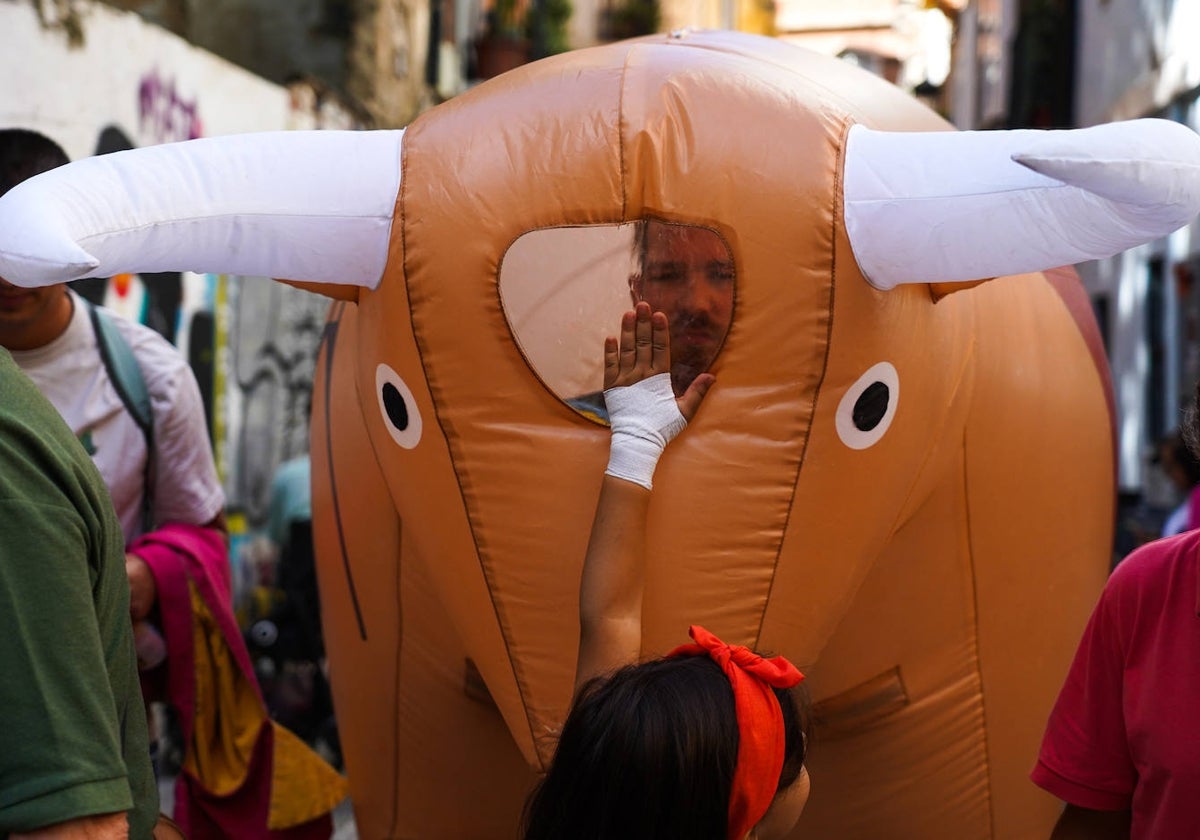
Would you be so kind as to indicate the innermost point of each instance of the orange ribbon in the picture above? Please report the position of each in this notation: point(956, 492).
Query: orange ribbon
point(760, 723)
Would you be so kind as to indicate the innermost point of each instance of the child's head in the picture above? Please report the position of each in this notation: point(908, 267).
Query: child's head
point(650, 752)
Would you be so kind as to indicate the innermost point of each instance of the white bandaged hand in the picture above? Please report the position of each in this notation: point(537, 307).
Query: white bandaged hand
point(644, 419)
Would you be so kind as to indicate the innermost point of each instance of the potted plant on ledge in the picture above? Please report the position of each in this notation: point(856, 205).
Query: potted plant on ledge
point(503, 44)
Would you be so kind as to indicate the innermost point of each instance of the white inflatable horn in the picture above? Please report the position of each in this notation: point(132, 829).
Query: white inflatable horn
point(946, 206)
point(317, 206)
point(297, 205)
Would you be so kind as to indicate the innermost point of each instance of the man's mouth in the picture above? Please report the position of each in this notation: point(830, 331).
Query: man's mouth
point(695, 334)
point(697, 337)
point(14, 298)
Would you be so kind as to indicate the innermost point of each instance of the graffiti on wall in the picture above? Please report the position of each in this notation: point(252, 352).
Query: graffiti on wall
point(165, 116)
point(274, 333)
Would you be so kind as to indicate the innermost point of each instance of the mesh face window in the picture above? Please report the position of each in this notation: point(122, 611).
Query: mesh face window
point(564, 289)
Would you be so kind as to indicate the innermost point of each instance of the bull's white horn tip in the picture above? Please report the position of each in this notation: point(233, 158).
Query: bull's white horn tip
point(32, 273)
point(1150, 162)
point(1145, 183)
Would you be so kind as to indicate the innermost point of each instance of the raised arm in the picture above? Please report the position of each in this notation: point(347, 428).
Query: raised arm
point(645, 416)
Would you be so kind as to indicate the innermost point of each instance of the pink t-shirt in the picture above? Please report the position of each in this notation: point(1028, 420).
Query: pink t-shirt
point(1125, 731)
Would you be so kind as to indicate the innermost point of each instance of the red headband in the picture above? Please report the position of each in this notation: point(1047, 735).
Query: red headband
point(760, 723)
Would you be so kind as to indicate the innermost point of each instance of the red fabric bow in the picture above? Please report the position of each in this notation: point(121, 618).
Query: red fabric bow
point(760, 723)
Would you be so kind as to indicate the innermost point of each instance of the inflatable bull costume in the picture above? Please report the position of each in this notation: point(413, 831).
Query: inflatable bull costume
point(902, 480)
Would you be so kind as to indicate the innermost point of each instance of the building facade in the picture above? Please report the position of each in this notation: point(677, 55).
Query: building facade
point(1143, 60)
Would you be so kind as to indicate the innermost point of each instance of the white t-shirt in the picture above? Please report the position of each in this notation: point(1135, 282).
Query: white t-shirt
point(70, 372)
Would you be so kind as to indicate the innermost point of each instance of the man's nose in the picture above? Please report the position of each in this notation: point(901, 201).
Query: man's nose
point(703, 294)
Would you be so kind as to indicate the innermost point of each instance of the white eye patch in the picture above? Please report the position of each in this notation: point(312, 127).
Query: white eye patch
point(868, 406)
point(399, 409)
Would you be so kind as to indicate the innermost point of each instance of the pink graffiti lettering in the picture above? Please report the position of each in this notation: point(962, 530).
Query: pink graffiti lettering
point(164, 115)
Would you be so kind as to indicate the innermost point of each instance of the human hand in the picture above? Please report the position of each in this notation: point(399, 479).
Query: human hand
point(143, 591)
point(644, 350)
point(642, 409)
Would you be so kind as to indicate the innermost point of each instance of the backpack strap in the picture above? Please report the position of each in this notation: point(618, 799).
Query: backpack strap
point(126, 376)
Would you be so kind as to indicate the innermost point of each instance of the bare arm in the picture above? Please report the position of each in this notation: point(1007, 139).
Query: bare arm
point(610, 590)
point(1085, 824)
point(99, 827)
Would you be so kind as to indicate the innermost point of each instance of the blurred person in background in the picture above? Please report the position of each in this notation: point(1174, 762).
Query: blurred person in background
point(134, 404)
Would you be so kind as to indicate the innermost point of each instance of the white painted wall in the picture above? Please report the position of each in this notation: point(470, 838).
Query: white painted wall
point(127, 73)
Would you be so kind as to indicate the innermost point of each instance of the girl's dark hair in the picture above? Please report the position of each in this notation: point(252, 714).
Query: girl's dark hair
point(648, 753)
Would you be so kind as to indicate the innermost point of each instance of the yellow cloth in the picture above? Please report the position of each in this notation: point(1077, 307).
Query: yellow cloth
point(229, 717)
point(303, 787)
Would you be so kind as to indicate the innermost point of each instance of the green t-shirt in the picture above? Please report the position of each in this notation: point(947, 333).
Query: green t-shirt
point(72, 724)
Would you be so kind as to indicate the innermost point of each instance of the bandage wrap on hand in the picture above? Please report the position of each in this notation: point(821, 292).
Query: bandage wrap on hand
point(644, 419)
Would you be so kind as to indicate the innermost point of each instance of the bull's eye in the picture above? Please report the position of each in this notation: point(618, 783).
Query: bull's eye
point(868, 406)
point(393, 406)
point(399, 409)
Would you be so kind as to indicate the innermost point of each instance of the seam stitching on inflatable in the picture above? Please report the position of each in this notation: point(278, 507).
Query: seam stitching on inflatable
point(987, 759)
point(446, 437)
point(329, 342)
point(837, 200)
point(396, 717)
point(621, 136)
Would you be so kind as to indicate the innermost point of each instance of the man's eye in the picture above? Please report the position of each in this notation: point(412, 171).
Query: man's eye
point(721, 273)
point(667, 274)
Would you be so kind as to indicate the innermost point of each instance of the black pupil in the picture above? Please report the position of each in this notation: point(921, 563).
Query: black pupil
point(871, 406)
point(397, 411)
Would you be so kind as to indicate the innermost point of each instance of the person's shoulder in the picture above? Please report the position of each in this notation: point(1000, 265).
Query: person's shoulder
point(141, 338)
point(22, 405)
point(160, 361)
point(1152, 566)
point(39, 454)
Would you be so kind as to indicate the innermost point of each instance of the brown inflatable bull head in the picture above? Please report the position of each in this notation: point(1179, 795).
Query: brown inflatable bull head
point(901, 480)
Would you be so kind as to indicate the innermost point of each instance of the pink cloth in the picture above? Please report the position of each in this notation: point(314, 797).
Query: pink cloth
point(1125, 731)
point(177, 554)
